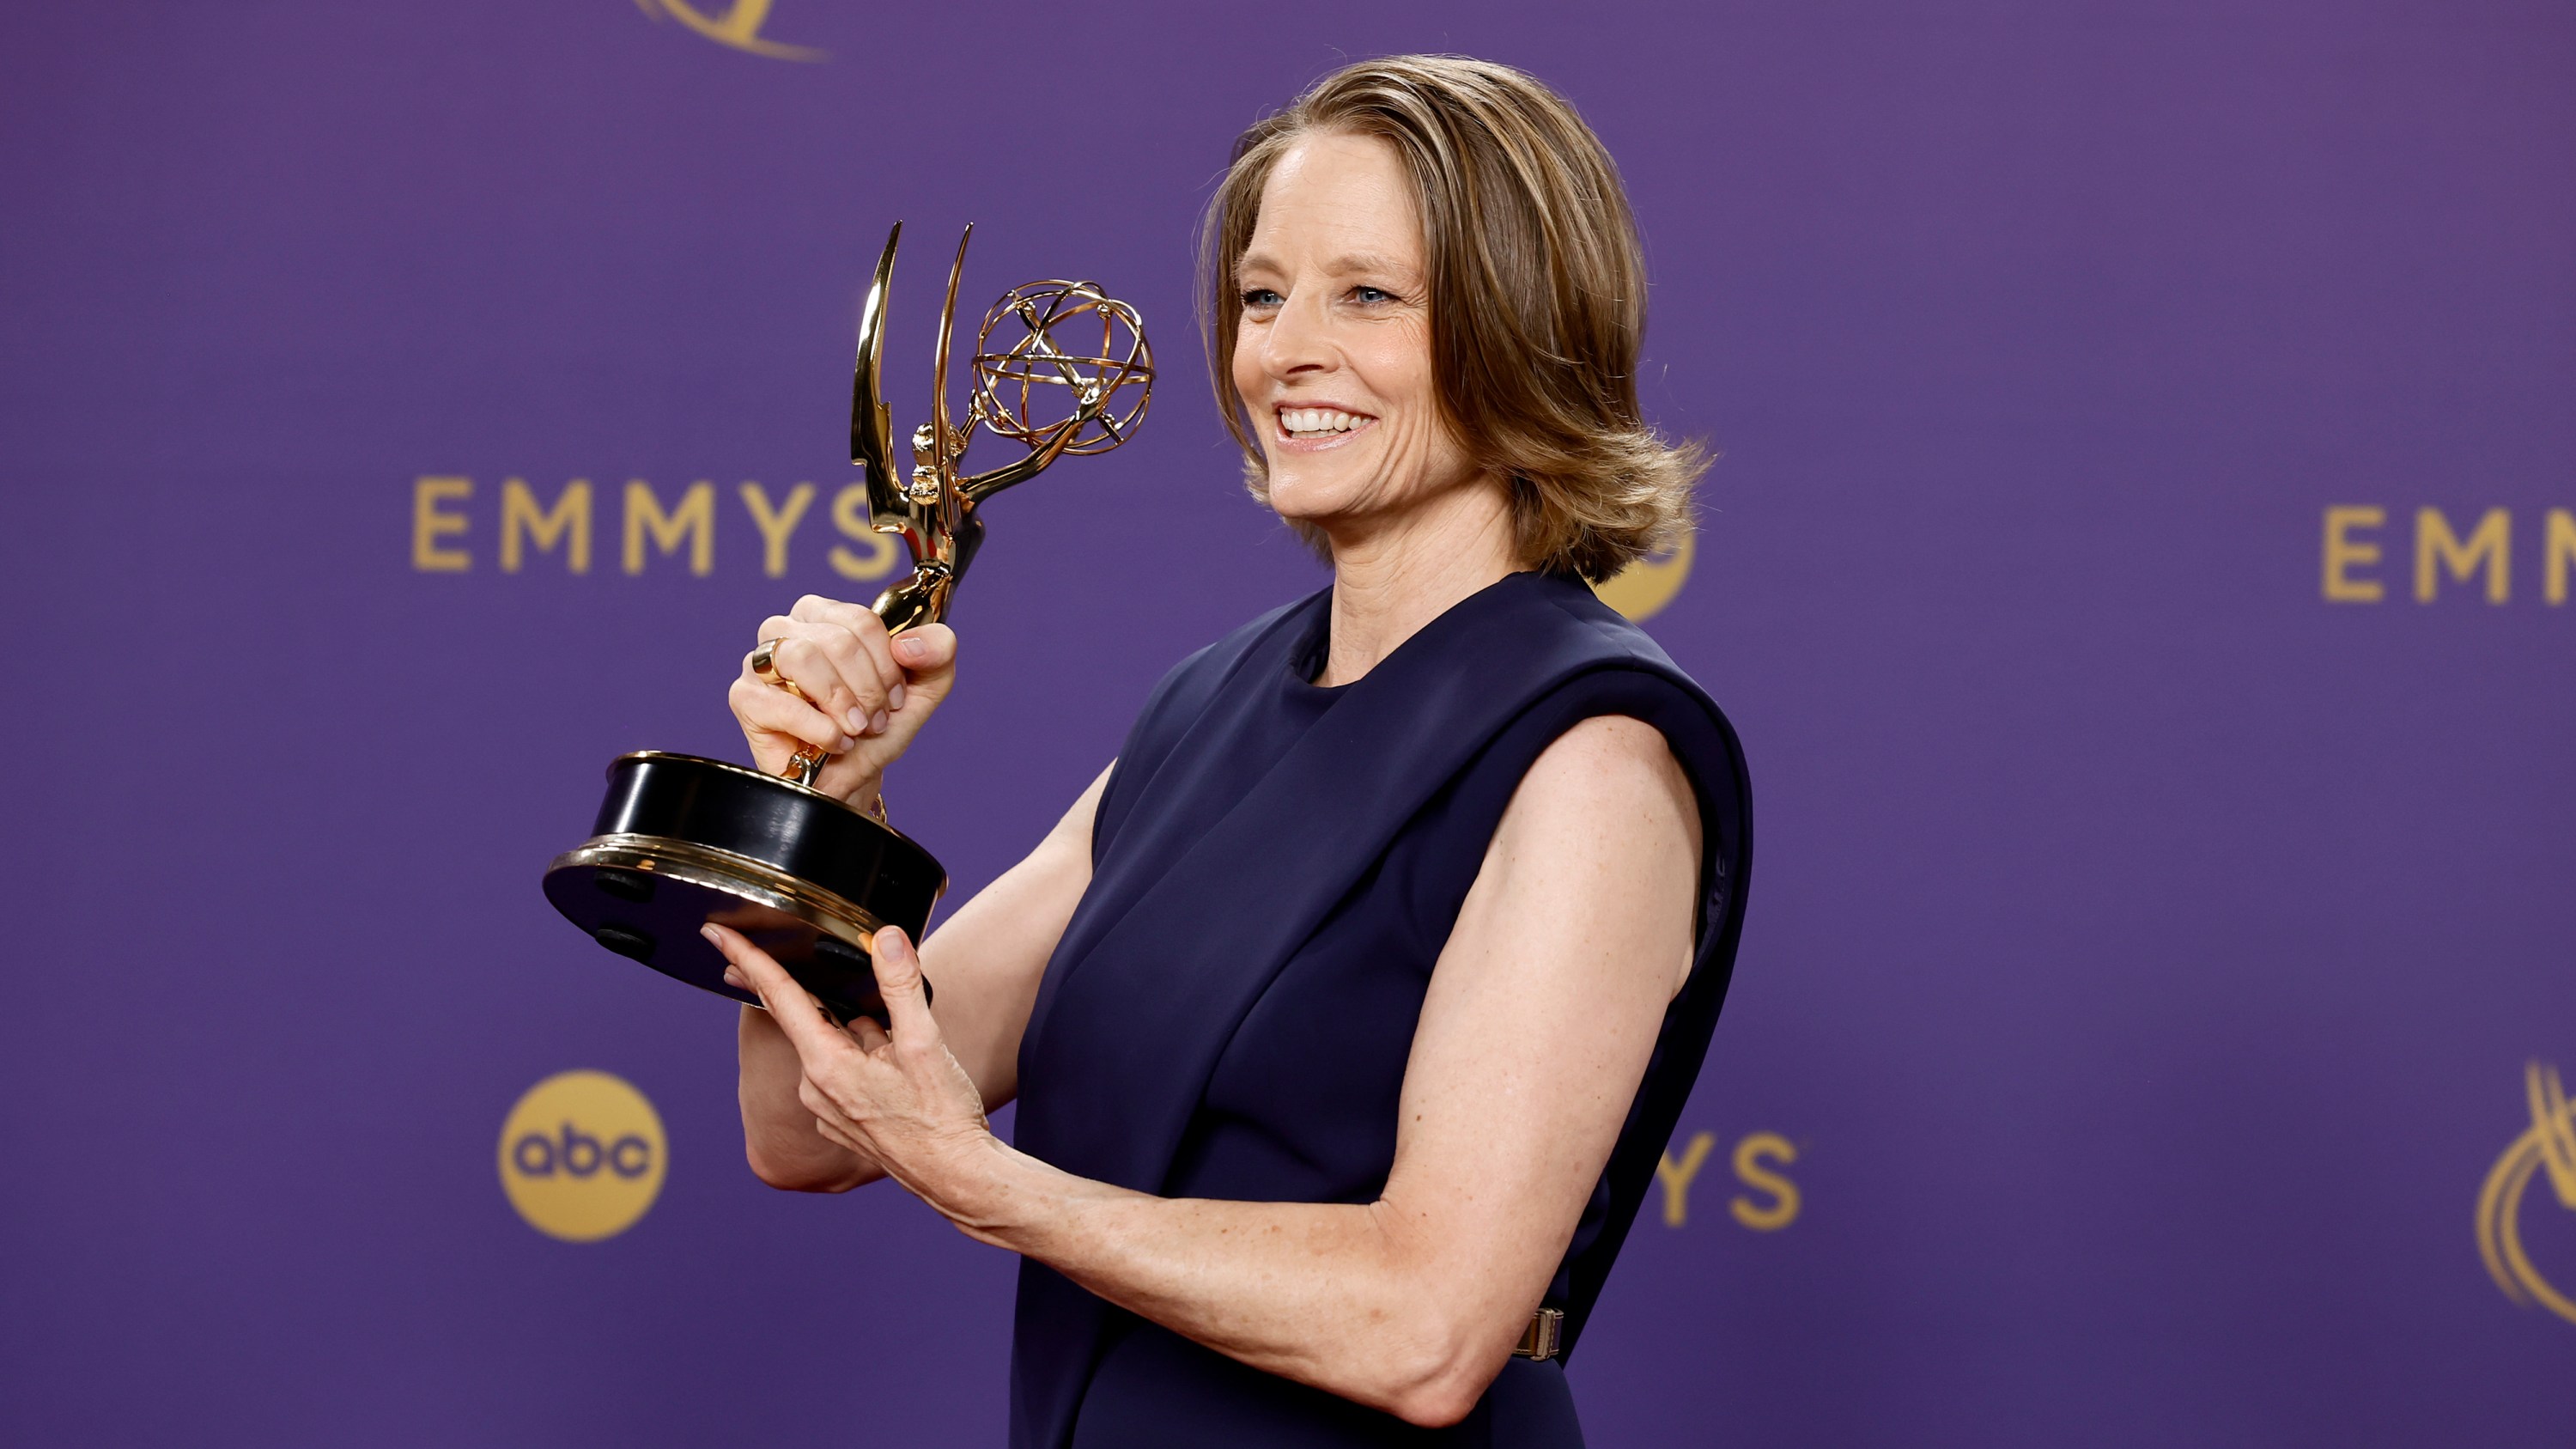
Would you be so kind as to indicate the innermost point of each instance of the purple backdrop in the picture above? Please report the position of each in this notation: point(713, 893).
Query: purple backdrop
point(2148, 944)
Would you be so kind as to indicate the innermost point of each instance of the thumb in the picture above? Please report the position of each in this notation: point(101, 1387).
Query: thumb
point(907, 996)
point(927, 654)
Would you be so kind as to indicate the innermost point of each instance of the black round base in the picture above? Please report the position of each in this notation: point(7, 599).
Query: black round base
point(682, 841)
point(654, 918)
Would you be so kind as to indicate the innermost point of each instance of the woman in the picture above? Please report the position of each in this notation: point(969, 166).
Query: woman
point(1350, 1008)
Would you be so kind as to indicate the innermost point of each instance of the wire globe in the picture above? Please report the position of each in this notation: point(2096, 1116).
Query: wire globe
point(1050, 350)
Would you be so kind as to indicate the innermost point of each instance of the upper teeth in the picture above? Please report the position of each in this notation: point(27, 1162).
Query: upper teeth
point(1318, 420)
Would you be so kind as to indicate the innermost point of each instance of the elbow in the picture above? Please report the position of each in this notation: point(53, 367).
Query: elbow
point(1443, 1397)
point(1440, 1375)
point(797, 1177)
point(1437, 1406)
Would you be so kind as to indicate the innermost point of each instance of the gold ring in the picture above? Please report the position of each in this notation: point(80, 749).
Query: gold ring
point(764, 666)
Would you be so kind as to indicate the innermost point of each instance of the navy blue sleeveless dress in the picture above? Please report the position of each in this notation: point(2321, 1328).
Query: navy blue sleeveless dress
point(1276, 867)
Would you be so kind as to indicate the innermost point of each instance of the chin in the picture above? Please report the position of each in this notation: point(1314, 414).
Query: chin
point(1312, 500)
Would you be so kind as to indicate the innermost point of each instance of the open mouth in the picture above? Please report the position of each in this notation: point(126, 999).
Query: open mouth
point(1320, 424)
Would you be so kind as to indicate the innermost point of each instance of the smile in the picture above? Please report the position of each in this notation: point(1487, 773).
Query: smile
point(1319, 427)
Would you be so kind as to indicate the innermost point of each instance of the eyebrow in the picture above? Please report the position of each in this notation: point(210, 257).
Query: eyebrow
point(1341, 266)
point(1368, 262)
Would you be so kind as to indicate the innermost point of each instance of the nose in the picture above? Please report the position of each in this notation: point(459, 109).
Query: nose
point(1298, 341)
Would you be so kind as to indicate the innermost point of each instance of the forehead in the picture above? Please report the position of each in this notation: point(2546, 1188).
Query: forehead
point(1336, 195)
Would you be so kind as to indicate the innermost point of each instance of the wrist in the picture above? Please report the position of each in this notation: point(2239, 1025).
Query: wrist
point(982, 1184)
point(868, 798)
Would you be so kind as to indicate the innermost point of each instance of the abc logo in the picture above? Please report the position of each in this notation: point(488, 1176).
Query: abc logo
point(582, 1156)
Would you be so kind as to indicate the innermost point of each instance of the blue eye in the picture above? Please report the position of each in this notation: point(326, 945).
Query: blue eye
point(1261, 297)
point(1371, 295)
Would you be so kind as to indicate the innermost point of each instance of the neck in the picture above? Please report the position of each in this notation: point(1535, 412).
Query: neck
point(1399, 573)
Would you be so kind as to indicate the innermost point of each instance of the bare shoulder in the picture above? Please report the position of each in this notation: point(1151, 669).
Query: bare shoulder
point(1606, 801)
point(1609, 768)
point(1596, 861)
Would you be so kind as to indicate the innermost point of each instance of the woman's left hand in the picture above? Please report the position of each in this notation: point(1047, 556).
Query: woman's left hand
point(898, 1097)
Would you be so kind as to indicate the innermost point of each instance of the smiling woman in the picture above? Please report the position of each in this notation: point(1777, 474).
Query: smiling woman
point(1470, 211)
point(1350, 1009)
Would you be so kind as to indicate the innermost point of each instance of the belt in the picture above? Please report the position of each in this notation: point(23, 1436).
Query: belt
point(1544, 1336)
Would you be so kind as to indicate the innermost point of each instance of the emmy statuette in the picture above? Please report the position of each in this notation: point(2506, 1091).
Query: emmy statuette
point(682, 840)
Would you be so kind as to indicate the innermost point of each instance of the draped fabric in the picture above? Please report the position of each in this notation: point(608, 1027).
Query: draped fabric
point(1276, 867)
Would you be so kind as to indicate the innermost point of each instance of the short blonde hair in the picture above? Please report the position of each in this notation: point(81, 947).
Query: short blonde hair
point(1537, 296)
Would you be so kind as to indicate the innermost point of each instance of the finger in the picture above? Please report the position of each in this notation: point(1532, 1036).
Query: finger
point(814, 1037)
point(867, 631)
point(816, 1101)
point(767, 707)
point(780, 628)
point(841, 1137)
point(869, 1035)
point(899, 982)
point(835, 672)
point(859, 645)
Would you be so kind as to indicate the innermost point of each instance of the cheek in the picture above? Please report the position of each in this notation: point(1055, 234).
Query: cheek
point(1393, 362)
point(1247, 363)
point(1396, 371)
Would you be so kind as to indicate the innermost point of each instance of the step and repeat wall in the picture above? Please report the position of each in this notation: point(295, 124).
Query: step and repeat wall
point(2138, 560)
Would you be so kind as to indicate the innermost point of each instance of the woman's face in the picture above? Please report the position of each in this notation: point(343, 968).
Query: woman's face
point(1333, 355)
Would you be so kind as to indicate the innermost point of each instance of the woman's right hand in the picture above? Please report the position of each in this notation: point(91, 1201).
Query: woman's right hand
point(866, 693)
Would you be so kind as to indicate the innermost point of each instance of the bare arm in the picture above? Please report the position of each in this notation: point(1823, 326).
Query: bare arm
point(1536, 1030)
point(985, 963)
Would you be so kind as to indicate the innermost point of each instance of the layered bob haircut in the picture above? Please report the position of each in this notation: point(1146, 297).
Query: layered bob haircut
point(1537, 296)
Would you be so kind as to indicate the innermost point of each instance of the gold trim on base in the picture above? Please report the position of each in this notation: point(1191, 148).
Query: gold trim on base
point(713, 868)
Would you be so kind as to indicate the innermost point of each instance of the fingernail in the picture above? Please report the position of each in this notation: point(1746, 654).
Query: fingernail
point(846, 745)
point(881, 721)
point(858, 721)
point(733, 977)
point(909, 647)
point(709, 931)
point(894, 697)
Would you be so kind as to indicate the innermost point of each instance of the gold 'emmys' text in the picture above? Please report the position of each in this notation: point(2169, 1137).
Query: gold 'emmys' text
point(2368, 556)
point(455, 527)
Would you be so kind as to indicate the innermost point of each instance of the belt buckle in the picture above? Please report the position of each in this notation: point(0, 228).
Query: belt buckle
point(1545, 1334)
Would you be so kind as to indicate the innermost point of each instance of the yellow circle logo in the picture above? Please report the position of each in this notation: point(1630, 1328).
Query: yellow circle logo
point(1641, 590)
point(2550, 1148)
point(582, 1156)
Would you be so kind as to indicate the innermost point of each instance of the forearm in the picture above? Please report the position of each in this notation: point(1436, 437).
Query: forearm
point(779, 1137)
point(1363, 1301)
point(1540, 1019)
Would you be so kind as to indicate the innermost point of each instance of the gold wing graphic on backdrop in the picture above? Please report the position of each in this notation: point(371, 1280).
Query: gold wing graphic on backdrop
point(2550, 1144)
point(738, 27)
